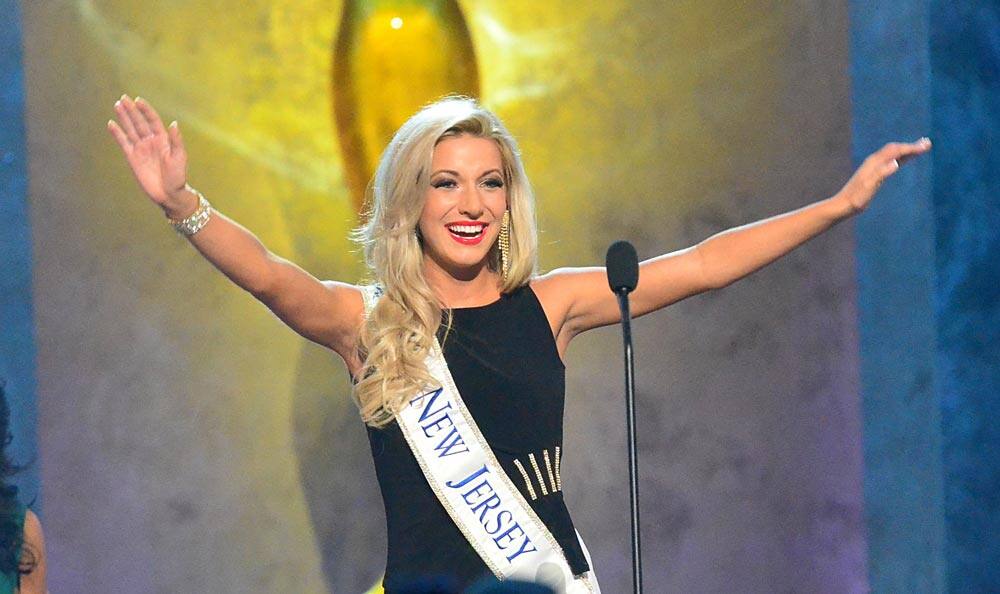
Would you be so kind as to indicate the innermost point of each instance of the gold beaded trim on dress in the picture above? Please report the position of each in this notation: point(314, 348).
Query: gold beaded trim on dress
point(553, 482)
point(527, 479)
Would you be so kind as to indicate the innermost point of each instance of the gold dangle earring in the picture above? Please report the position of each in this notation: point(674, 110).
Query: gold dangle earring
point(504, 242)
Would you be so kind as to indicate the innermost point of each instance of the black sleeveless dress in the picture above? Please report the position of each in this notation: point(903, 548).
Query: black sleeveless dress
point(506, 366)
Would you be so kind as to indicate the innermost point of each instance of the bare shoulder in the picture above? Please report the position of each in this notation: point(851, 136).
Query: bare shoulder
point(34, 553)
point(32, 528)
point(348, 298)
point(346, 294)
point(560, 284)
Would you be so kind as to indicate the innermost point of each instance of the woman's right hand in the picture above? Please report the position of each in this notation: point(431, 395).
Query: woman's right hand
point(155, 154)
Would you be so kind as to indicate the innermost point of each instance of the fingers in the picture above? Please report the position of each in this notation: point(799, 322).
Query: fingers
point(138, 118)
point(150, 117)
point(131, 119)
point(904, 151)
point(888, 169)
point(914, 150)
point(887, 160)
point(120, 136)
point(138, 121)
point(124, 121)
point(174, 134)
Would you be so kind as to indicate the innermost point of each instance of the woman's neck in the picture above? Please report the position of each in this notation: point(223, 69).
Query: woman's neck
point(477, 288)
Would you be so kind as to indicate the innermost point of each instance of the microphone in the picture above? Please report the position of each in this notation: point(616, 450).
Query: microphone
point(623, 267)
point(623, 276)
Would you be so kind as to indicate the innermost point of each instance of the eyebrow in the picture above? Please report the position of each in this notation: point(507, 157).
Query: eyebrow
point(456, 174)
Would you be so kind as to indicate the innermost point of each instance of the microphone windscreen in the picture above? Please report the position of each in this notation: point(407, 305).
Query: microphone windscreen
point(623, 267)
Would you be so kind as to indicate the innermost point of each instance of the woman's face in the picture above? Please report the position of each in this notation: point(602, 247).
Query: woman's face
point(465, 202)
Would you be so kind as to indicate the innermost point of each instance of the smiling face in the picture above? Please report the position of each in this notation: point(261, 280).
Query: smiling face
point(464, 205)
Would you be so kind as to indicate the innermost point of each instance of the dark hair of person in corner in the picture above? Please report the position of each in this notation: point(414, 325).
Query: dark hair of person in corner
point(15, 556)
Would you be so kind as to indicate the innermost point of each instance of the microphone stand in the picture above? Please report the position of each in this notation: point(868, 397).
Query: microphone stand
point(633, 469)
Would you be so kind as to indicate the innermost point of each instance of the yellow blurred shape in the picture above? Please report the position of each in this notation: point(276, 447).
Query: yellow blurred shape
point(390, 60)
point(377, 588)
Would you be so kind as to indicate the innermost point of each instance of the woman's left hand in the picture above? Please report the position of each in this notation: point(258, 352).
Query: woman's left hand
point(859, 190)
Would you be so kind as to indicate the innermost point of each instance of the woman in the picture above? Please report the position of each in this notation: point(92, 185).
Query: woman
point(22, 547)
point(457, 353)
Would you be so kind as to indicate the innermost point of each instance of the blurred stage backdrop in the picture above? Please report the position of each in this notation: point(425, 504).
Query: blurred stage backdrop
point(822, 426)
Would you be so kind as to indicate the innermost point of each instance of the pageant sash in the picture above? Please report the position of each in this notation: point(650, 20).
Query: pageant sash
point(467, 479)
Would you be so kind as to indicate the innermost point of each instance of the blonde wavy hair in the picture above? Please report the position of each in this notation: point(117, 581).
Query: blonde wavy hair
point(401, 328)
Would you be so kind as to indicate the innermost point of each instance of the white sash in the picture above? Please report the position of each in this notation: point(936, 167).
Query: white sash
point(481, 499)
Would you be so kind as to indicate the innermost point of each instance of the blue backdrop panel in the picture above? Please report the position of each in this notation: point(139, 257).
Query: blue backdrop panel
point(965, 62)
point(895, 254)
point(17, 347)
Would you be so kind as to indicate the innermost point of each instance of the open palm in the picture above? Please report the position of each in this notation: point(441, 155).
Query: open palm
point(155, 154)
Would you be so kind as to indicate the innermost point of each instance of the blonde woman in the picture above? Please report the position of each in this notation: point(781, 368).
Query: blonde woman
point(457, 353)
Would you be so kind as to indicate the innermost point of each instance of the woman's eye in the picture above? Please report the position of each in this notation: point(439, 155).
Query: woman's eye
point(444, 183)
point(493, 183)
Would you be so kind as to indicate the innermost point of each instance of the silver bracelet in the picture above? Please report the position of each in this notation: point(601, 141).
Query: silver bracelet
point(198, 218)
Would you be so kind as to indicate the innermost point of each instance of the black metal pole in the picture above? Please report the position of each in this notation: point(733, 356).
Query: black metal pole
point(633, 459)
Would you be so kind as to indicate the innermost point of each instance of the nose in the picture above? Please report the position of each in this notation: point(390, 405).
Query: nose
point(471, 204)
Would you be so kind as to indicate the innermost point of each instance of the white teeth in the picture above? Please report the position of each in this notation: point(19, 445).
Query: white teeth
point(466, 228)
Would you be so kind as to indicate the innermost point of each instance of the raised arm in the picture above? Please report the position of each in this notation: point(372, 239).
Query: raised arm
point(327, 313)
point(578, 299)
